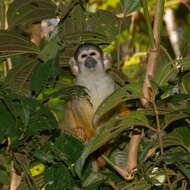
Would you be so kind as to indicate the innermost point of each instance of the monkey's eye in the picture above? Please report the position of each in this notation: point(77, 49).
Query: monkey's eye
point(83, 55)
point(92, 53)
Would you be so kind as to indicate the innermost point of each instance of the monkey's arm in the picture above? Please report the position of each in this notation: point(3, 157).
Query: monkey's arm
point(77, 120)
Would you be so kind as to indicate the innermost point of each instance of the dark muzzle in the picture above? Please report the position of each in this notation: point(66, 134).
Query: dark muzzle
point(90, 62)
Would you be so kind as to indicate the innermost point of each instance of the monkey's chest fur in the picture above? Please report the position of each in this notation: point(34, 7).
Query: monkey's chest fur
point(82, 110)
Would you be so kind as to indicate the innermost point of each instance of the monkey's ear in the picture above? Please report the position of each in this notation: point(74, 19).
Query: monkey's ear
point(107, 60)
point(73, 66)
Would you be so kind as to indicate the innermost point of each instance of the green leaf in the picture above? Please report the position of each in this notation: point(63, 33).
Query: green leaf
point(44, 156)
point(184, 170)
point(4, 177)
point(165, 73)
point(94, 178)
point(184, 64)
point(8, 126)
point(184, 132)
point(79, 27)
point(171, 117)
point(70, 147)
point(41, 119)
point(18, 77)
point(116, 125)
point(129, 6)
point(128, 92)
point(186, 83)
point(30, 11)
point(58, 178)
point(69, 92)
point(95, 186)
point(108, 131)
point(14, 44)
point(104, 23)
point(41, 75)
point(51, 49)
point(176, 157)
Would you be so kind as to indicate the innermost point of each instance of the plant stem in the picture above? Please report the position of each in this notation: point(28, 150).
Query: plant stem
point(148, 22)
point(159, 133)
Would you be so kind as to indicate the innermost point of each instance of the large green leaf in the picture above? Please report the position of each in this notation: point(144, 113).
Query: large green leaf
point(103, 22)
point(116, 125)
point(68, 92)
point(22, 12)
point(79, 27)
point(184, 170)
point(58, 178)
point(41, 119)
point(8, 126)
point(14, 44)
point(186, 83)
point(43, 75)
point(174, 116)
point(176, 157)
point(128, 92)
point(129, 6)
point(165, 73)
point(18, 77)
point(184, 64)
point(108, 131)
point(70, 147)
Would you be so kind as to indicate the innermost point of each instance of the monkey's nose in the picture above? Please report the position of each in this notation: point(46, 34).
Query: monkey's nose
point(90, 62)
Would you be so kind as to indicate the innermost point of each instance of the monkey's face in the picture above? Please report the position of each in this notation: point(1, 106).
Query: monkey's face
point(90, 59)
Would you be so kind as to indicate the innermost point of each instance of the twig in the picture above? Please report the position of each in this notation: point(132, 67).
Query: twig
point(159, 133)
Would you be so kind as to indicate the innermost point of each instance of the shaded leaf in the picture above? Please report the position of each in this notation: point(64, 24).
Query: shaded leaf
point(69, 92)
point(176, 157)
point(116, 125)
point(30, 11)
point(184, 132)
point(129, 6)
point(103, 22)
point(186, 83)
point(41, 119)
point(41, 75)
point(184, 170)
point(108, 131)
point(165, 73)
point(4, 177)
point(18, 77)
point(8, 125)
point(93, 178)
point(79, 27)
point(70, 147)
point(14, 44)
point(184, 64)
point(169, 118)
point(128, 92)
point(85, 153)
point(58, 177)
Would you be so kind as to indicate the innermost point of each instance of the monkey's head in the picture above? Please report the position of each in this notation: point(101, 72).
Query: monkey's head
point(89, 58)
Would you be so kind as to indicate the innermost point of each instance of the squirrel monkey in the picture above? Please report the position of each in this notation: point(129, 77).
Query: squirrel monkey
point(89, 65)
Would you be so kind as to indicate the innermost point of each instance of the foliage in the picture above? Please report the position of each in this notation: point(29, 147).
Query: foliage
point(29, 131)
